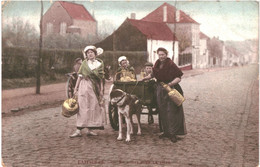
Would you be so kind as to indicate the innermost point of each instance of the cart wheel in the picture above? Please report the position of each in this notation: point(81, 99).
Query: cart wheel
point(160, 123)
point(70, 85)
point(113, 116)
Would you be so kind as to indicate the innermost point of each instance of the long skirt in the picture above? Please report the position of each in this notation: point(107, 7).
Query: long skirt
point(91, 114)
point(172, 116)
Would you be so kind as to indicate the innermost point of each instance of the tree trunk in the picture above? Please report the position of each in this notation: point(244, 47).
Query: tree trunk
point(39, 61)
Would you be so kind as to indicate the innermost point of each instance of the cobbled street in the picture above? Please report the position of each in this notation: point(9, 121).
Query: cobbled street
point(221, 112)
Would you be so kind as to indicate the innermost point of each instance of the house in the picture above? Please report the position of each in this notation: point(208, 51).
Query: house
point(225, 58)
point(139, 35)
point(203, 59)
point(233, 58)
point(215, 47)
point(67, 17)
point(186, 29)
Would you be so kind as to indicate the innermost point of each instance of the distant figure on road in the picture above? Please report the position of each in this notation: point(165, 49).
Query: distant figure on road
point(89, 86)
point(172, 116)
point(125, 70)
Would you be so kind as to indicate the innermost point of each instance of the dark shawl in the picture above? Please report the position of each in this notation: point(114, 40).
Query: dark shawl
point(168, 72)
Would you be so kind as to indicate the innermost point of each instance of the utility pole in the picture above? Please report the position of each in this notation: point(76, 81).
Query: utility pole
point(39, 61)
point(174, 33)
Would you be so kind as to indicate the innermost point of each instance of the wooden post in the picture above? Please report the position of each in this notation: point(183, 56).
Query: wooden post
point(174, 34)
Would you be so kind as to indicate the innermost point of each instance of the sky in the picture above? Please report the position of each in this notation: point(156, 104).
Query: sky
point(228, 20)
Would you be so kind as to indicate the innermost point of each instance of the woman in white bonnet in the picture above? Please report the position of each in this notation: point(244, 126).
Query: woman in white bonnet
point(90, 93)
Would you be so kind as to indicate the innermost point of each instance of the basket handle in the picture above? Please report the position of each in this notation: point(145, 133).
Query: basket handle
point(74, 96)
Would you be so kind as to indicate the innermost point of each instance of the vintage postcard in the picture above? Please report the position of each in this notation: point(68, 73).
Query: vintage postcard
point(130, 83)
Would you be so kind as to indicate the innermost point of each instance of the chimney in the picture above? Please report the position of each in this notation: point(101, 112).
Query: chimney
point(165, 14)
point(177, 15)
point(133, 16)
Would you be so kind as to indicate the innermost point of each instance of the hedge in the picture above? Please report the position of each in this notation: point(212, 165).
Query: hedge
point(21, 62)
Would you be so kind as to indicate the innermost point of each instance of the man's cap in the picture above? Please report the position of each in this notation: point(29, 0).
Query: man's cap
point(148, 64)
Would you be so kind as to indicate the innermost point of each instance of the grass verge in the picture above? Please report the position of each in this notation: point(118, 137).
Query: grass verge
point(31, 82)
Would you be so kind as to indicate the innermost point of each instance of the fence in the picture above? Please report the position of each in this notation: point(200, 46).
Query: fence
point(185, 59)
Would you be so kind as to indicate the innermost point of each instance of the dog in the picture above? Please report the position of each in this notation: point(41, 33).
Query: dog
point(127, 105)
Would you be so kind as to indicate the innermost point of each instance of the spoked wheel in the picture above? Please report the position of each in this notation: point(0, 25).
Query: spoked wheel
point(154, 111)
point(70, 85)
point(113, 116)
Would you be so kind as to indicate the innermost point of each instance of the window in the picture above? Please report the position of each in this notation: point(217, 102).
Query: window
point(49, 28)
point(63, 28)
point(185, 59)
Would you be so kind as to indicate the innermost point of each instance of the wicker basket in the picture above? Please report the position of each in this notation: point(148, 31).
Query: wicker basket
point(70, 107)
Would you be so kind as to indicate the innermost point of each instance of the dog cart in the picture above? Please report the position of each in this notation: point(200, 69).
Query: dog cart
point(144, 90)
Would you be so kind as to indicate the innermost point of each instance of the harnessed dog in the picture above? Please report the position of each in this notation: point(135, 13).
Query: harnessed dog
point(127, 106)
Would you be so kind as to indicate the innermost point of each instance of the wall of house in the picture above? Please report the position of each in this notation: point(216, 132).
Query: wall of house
point(176, 53)
point(225, 57)
point(183, 31)
point(190, 33)
point(88, 28)
point(55, 15)
point(195, 30)
point(214, 62)
point(125, 38)
point(153, 45)
point(203, 58)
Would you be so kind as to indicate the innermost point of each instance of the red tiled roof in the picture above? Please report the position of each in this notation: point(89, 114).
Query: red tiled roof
point(203, 36)
point(77, 11)
point(153, 30)
point(157, 15)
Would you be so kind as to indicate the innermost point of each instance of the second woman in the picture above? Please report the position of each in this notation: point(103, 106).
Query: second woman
point(89, 86)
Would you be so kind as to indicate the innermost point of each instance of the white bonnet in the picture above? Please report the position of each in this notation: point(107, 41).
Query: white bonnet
point(99, 50)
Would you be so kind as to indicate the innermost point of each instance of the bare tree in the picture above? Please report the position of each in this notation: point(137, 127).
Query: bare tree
point(68, 41)
point(105, 29)
point(19, 32)
point(184, 41)
point(215, 47)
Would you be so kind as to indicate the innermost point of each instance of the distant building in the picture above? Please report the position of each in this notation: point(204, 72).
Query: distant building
point(203, 59)
point(216, 48)
point(138, 35)
point(232, 58)
point(67, 17)
point(182, 25)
